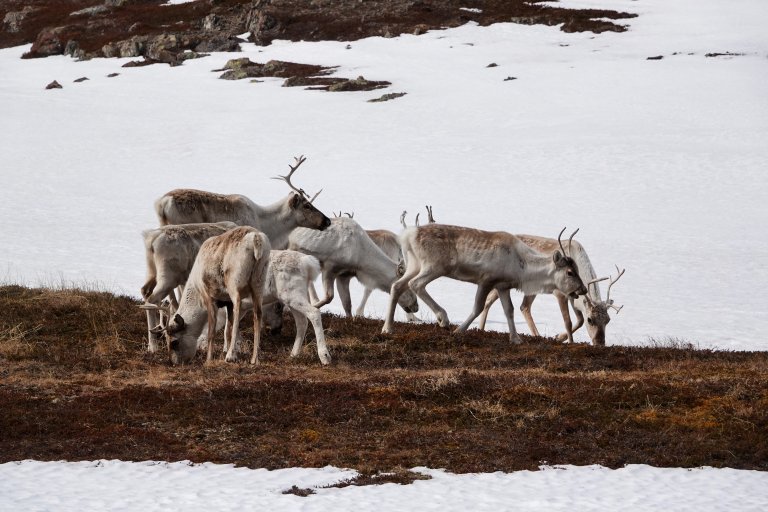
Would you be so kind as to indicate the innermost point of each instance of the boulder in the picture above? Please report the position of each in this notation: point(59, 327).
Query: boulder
point(54, 85)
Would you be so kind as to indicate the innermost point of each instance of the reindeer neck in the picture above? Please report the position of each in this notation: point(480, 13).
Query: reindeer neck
point(276, 221)
point(538, 271)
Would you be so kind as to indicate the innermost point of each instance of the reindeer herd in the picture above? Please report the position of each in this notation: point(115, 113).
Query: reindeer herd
point(225, 254)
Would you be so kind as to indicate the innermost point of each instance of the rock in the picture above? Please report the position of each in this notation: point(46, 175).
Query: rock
point(657, 57)
point(492, 65)
point(54, 85)
point(81, 79)
point(48, 42)
point(510, 78)
point(358, 84)
point(91, 11)
point(387, 97)
point(12, 20)
point(112, 75)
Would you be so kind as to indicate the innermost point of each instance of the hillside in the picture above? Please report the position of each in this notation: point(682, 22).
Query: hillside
point(77, 384)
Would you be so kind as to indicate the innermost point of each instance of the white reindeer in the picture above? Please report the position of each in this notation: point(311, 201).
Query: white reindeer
point(346, 248)
point(390, 245)
point(170, 253)
point(590, 306)
point(185, 206)
point(229, 268)
point(492, 260)
point(288, 278)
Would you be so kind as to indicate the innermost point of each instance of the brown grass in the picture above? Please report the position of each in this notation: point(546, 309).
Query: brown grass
point(77, 384)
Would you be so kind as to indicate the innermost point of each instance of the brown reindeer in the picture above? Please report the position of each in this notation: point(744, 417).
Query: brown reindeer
point(185, 206)
point(228, 268)
point(492, 260)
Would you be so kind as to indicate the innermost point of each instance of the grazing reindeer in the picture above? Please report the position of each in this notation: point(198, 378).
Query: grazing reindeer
point(288, 279)
point(590, 305)
point(346, 248)
point(492, 260)
point(228, 268)
point(171, 251)
point(183, 206)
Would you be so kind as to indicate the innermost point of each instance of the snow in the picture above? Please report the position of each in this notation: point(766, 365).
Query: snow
point(659, 163)
point(149, 486)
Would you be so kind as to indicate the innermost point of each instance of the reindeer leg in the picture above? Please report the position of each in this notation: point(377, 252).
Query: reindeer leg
point(212, 310)
point(235, 327)
point(257, 314)
point(418, 285)
point(397, 289)
point(361, 308)
point(342, 286)
point(328, 279)
point(228, 326)
point(301, 330)
point(313, 298)
point(312, 314)
point(509, 311)
point(483, 289)
point(525, 309)
point(492, 297)
point(562, 301)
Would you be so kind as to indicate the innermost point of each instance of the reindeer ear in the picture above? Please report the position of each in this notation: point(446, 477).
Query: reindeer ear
point(557, 258)
point(175, 325)
point(294, 201)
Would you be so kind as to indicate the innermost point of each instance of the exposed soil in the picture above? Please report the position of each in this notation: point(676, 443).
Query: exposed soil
point(77, 384)
point(88, 28)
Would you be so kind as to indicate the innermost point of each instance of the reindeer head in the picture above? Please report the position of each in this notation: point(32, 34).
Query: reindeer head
point(596, 311)
point(566, 274)
point(182, 346)
point(596, 317)
point(306, 215)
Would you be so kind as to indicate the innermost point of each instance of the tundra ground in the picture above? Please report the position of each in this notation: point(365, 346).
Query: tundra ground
point(76, 383)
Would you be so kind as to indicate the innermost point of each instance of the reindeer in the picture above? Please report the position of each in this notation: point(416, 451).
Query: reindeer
point(228, 268)
point(288, 279)
point(389, 244)
point(170, 252)
point(345, 248)
point(492, 260)
point(590, 305)
point(184, 206)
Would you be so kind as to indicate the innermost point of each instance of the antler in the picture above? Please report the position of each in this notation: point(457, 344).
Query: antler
point(148, 305)
point(350, 215)
point(299, 160)
point(559, 241)
point(608, 293)
point(595, 280)
point(570, 240)
point(402, 218)
point(417, 220)
point(429, 213)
